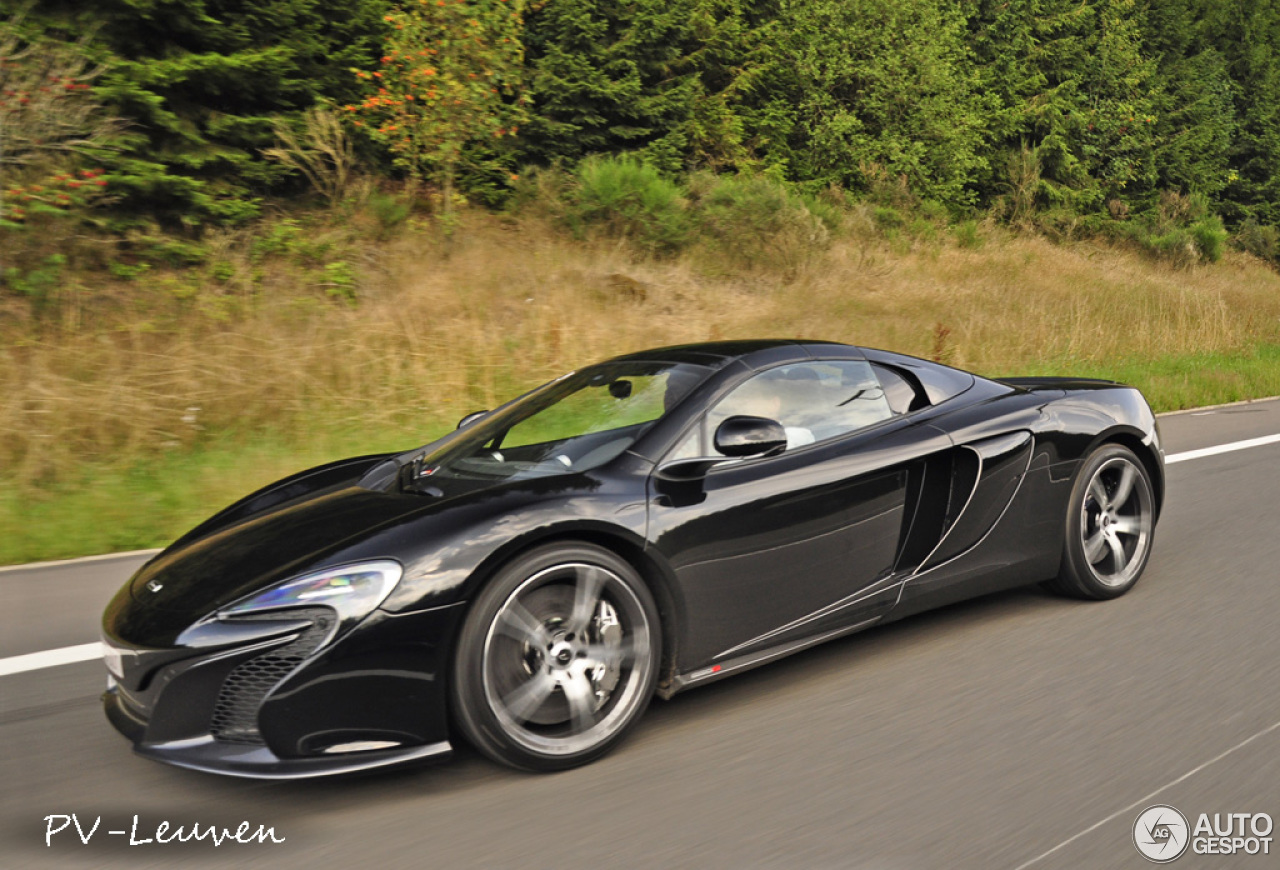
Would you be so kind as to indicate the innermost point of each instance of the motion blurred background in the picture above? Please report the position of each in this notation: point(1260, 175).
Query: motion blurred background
point(241, 238)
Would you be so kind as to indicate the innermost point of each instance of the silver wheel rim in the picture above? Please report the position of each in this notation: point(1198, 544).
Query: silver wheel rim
point(566, 659)
point(1116, 522)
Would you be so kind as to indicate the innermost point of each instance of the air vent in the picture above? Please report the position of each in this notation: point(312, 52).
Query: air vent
point(235, 715)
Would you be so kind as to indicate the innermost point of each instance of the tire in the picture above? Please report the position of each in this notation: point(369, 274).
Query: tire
point(1110, 525)
point(557, 658)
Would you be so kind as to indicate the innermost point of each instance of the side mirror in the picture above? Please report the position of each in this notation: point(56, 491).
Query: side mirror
point(471, 418)
point(743, 436)
point(736, 438)
point(688, 470)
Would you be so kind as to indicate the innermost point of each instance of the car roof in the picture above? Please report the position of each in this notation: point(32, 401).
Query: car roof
point(718, 354)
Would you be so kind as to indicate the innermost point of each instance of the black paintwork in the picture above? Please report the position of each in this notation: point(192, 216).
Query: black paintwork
point(962, 494)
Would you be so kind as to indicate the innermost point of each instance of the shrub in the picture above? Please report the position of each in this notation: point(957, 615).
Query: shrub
point(759, 221)
point(389, 211)
point(39, 284)
point(1176, 247)
point(968, 236)
point(1258, 239)
point(339, 281)
point(322, 151)
point(545, 191)
point(888, 218)
point(1210, 237)
point(1181, 231)
point(624, 198)
point(831, 206)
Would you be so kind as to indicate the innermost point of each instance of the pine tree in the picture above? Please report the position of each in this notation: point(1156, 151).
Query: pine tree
point(1074, 88)
point(1194, 101)
point(1247, 33)
point(883, 86)
point(675, 80)
point(201, 82)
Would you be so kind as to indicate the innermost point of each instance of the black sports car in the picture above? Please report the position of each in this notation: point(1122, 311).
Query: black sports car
point(644, 525)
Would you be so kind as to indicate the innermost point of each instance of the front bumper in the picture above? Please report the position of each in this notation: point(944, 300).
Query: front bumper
point(209, 755)
point(373, 698)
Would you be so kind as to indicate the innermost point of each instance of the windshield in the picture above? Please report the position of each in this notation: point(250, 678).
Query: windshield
point(576, 423)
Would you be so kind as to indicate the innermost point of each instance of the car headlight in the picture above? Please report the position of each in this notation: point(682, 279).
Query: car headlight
point(354, 591)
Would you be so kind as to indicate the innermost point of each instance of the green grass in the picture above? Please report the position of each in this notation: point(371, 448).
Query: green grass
point(1172, 383)
point(139, 506)
point(109, 508)
point(131, 409)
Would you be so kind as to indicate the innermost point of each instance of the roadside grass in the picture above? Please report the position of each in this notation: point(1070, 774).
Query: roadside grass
point(1174, 383)
point(129, 412)
point(115, 508)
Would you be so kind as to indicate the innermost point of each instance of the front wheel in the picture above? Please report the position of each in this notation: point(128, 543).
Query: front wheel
point(557, 658)
point(1109, 526)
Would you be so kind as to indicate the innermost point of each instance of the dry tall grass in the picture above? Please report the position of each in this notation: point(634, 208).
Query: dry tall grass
point(513, 303)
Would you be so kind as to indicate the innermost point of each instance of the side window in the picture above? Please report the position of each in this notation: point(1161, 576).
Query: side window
point(813, 401)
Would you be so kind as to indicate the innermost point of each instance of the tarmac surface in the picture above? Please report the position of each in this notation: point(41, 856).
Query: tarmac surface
point(1019, 730)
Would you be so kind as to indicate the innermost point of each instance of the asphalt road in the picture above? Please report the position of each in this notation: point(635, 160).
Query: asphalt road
point(985, 735)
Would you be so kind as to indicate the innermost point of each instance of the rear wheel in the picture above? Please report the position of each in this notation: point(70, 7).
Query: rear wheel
point(557, 658)
point(1109, 526)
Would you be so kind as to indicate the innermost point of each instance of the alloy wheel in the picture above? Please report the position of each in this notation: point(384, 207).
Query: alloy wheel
point(567, 659)
point(1116, 520)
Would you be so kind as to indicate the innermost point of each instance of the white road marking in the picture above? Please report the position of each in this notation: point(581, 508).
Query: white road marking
point(1212, 409)
point(1145, 798)
point(88, 651)
point(35, 661)
point(60, 563)
point(1221, 448)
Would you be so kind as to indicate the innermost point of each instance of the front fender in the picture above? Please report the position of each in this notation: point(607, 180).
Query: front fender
point(448, 553)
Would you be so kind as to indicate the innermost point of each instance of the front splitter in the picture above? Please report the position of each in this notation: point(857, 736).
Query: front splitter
point(258, 762)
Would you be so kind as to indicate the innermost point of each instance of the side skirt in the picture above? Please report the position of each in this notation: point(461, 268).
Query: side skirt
point(710, 674)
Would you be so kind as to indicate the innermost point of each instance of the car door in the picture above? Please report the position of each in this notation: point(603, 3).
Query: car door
point(770, 549)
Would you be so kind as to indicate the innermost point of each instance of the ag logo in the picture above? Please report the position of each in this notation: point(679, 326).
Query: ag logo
point(1161, 834)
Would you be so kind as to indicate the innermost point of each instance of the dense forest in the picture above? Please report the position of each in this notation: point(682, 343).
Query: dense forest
point(1160, 120)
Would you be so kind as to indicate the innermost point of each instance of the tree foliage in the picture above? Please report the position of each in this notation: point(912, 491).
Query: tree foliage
point(200, 84)
point(883, 85)
point(1095, 108)
point(53, 131)
point(450, 78)
point(676, 80)
point(1072, 84)
point(46, 102)
point(1247, 34)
